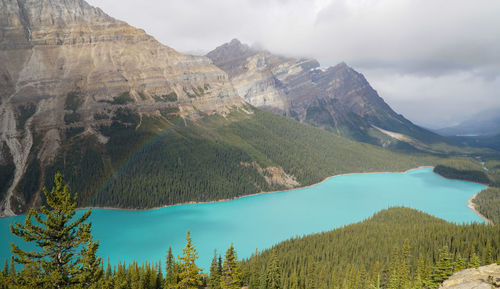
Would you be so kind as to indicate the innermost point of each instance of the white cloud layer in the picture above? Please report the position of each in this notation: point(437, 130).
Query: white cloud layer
point(434, 61)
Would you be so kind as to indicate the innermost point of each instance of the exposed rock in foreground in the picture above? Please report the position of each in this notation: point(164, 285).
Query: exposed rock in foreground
point(485, 277)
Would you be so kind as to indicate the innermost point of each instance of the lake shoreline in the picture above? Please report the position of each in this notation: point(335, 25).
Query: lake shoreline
point(471, 205)
point(251, 195)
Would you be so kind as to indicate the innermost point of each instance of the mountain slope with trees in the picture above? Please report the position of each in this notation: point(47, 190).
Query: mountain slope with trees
point(396, 248)
point(213, 158)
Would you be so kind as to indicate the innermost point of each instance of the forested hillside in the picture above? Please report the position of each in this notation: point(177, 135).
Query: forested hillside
point(487, 202)
point(396, 248)
point(213, 158)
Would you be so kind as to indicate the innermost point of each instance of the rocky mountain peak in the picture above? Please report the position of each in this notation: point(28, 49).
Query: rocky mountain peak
point(336, 98)
point(65, 65)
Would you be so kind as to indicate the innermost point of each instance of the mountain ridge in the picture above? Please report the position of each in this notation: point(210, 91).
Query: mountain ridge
point(485, 123)
point(67, 65)
point(336, 98)
point(120, 114)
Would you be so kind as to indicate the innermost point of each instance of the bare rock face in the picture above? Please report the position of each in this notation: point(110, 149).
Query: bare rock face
point(485, 277)
point(64, 64)
point(336, 98)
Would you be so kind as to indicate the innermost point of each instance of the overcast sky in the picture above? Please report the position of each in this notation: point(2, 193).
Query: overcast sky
point(434, 61)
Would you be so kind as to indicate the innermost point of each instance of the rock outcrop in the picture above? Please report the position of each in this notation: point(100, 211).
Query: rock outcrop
point(336, 98)
point(66, 64)
point(485, 277)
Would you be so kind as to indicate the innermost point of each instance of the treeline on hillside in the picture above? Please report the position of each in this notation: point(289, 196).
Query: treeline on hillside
point(488, 204)
point(462, 169)
point(396, 248)
point(165, 161)
point(488, 201)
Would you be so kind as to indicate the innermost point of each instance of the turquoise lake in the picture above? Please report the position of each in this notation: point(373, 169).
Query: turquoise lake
point(260, 221)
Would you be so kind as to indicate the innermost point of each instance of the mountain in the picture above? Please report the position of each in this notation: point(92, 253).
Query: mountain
point(336, 98)
point(132, 123)
point(485, 123)
point(68, 68)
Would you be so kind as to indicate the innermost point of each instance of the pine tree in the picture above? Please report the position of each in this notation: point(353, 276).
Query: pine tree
point(170, 274)
point(189, 275)
point(214, 279)
point(108, 270)
point(488, 254)
point(4, 276)
point(443, 268)
point(394, 276)
point(474, 260)
point(13, 274)
point(263, 278)
point(159, 276)
point(459, 263)
point(231, 276)
point(91, 271)
point(58, 237)
point(404, 265)
point(5, 271)
point(273, 272)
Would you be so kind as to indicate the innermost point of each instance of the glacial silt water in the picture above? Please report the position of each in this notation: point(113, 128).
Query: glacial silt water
point(260, 221)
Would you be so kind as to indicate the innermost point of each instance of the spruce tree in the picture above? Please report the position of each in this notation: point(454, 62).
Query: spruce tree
point(171, 274)
point(404, 265)
point(459, 263)
point(189, 275)
point(231, 276)
point(159, 276)
point(214, 279)
point(4, 275)
point(443, 268)
point(488, 254)
point(5, 270)
point(108, 270)
point(273, 272)
point(474, 260)
point(58, 238)
point(91, 271)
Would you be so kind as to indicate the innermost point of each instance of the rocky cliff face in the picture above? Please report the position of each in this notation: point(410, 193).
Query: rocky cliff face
point(337, 98)
point(65, 64)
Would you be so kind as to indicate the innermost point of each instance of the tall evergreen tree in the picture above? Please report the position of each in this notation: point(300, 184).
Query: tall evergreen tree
point(273, 272)
point(91, 271)
point(231, 275)
point(170, 274)
point(443, 268)
point(109, 271)
point(58, 238)
point(404, 265)
point(214, 279)
point(5, 270)
point(474, 260)
point(459, 263)
point(159, 276)
point(189, 275)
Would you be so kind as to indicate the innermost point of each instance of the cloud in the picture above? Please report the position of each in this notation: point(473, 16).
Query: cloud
point(437, 102)
point(445, 50)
